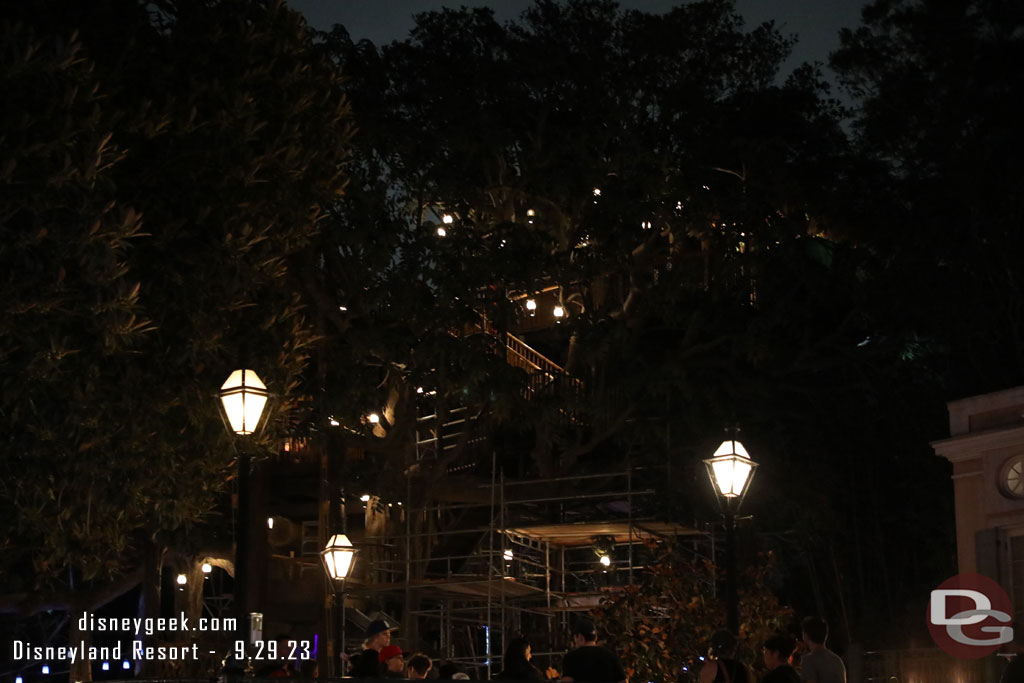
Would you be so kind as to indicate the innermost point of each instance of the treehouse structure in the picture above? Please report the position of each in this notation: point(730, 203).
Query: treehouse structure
point(462, 568)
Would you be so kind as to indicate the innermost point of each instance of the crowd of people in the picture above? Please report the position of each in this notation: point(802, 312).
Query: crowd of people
point(818, 664)
point(589, 662)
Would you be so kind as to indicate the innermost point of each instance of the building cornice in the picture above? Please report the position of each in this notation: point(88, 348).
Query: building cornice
point(974, 444)
point(1006, 397)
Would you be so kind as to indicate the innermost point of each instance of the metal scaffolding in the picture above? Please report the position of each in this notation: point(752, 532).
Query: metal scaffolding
point(480, 584)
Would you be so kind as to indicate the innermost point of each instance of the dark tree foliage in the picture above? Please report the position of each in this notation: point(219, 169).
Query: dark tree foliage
point(158, 194)
point(512, 129)
point(933, 82)
point(684, 200)
point(933, 192)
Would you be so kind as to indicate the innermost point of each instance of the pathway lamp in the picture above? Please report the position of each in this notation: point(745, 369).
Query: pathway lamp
point(731, 470)
point(243, 398)
point(338, 557)
point(243, 403)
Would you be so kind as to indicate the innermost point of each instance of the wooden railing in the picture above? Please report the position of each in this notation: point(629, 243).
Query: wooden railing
point(434, 439)
point(520, 355)
point(543, 371)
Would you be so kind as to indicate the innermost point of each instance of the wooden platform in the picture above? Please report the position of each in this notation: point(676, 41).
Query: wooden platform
point(583, 533)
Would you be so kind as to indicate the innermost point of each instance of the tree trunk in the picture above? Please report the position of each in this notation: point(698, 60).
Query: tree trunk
point(149, 596)
point(81, 668)
point(190, 600)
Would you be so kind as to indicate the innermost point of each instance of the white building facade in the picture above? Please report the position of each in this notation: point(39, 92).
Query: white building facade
point(986, 448)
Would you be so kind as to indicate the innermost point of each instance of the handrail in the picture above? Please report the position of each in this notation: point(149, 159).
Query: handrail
point(530, 355)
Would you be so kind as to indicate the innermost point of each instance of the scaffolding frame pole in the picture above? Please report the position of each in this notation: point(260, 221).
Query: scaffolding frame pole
point(490, 563)
point(501, 513)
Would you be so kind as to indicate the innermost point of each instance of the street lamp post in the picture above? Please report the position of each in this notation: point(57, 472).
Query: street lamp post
point(243, 399)
point(730, 471)
point(338, 557)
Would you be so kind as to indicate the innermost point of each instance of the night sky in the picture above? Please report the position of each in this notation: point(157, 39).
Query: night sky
point(816, 23)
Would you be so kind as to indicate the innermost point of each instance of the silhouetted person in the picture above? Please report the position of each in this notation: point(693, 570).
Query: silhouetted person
point(516, 665)
point(418, 667)
point(366, 663)
point(590, 663)
point(776, 653)
point(820, 664)
point(721, 665)
point(391, 664)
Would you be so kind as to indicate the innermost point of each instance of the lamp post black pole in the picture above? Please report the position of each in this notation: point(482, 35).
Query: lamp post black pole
point(242, 548)
point(732, 615)
point(344, 530)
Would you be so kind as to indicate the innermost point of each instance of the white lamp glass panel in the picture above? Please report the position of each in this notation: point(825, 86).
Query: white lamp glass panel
point(731, 475)
point(243, 378)
point(244, 396)
point(253, 405)
point(338, 556)
point(234, 408)
point(731, 447)
point(740, 473)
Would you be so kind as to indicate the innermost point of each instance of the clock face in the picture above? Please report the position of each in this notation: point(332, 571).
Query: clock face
point(1012, 482)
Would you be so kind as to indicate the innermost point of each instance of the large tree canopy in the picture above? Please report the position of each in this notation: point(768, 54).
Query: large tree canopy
point(938, 189)
point(171, 205)
point(158, 193)
point(655, 175)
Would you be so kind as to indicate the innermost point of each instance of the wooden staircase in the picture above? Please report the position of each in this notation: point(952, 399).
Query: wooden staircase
point(459, 432)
